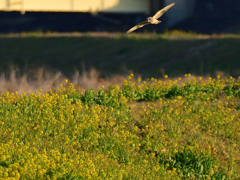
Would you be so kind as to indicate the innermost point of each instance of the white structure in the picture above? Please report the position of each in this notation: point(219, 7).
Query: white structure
point(75, 5)
point(181, 10)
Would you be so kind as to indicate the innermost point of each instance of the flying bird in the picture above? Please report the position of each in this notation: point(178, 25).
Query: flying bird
point(151, 20)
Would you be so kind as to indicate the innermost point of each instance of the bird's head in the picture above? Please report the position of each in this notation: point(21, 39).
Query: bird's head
point(149, 19)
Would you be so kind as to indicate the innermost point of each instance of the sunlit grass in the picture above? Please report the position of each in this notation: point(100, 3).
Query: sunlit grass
point(168, 34)
point(154, 129)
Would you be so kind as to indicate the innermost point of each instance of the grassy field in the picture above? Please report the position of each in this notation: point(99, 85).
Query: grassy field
point(169, 129)
point(149, 55)
point(176, 127)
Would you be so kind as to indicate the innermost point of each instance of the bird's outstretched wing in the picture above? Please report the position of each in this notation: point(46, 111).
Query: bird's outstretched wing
point(139, 25)
point(162, 11)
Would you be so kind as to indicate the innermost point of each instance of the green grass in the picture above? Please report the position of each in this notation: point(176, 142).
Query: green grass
point(169, 129)
point(145, 54)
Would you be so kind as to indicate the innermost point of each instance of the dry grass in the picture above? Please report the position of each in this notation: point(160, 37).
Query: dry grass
point(43, 79)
